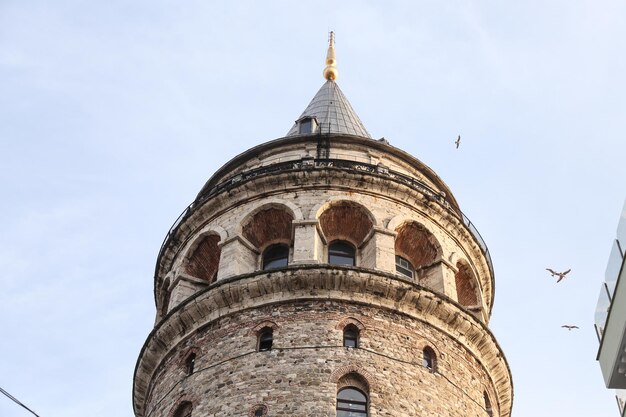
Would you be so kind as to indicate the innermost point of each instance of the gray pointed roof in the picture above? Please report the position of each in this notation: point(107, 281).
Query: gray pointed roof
point(333, 112)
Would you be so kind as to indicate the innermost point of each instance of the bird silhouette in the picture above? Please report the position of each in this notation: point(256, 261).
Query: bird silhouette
point(458, 141)
point(569, 327)
point(561, 275)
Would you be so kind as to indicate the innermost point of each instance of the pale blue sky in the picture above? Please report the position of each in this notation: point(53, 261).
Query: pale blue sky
point(113, 115)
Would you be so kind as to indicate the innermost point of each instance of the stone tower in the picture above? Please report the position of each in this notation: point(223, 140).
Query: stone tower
point(323, 274)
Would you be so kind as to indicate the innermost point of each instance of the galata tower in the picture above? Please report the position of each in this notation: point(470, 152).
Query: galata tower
point(322, 274)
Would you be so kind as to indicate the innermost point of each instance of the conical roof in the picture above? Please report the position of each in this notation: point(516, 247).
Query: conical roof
point(333, 112)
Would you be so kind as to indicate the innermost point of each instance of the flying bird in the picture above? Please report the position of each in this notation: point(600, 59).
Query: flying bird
point(569, 327)
point(457, 142)
point(561, 275)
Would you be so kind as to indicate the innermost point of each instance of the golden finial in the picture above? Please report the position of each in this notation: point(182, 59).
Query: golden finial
point(331, 72)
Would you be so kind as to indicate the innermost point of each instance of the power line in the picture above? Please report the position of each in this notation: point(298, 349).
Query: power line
point(15, 400)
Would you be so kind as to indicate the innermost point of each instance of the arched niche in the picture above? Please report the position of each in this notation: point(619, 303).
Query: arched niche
point(467, 293)
point(346, 220)
point(203, 261)
point(267, 225)
point(417, 244)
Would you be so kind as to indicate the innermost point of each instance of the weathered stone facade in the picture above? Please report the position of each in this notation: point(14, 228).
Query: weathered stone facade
point(214, 300)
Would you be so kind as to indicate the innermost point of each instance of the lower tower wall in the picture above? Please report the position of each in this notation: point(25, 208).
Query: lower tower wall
point(308, 310)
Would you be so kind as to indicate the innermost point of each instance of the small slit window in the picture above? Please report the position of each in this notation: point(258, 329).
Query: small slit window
point(259, 410)
point(165, 297)
point(276, 256)
point(351, 336)
point(190, 363)
point(429, 359)
point(341, 253)
point(404, 267)
point(351, 402)
point(266, 337)
point(183, 410)
point(488, 408)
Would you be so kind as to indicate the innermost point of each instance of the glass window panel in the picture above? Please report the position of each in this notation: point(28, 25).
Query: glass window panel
point(276, 263)
point(351, 394)
point(276, 256)
point(404, 267)
point(344, 413)
point(621, 229)
point(341, 260)
point(613, 267)
point(602, 310)
point(346, 405)
point(350, 337)
point(341, 253)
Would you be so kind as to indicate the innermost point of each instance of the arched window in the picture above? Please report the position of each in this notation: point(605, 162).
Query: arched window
point(341, 252)
point(351, 402)
point(351, 336)
point(404, 267)
point(190, 363)
point(276, 256)
point(488, 408)
point(429, 359)
point(259, 410)
point(183, 410)
point(266, 337)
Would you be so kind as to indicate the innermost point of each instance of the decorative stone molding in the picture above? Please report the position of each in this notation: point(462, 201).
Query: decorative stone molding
point(263, 325)
point(350, 320)
point(364, 379)
point(180, 401)
point(238, 238)
point(259, 410)
point(427, 343)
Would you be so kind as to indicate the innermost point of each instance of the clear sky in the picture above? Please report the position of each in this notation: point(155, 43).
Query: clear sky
point(114, 113)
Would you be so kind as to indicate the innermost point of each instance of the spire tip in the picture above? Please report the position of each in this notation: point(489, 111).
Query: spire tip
point(331, 72)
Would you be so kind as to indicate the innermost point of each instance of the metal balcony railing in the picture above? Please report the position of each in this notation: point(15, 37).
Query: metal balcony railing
point(320, 164)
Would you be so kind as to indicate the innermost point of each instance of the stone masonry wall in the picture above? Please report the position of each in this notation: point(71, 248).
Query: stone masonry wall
point(298, 376)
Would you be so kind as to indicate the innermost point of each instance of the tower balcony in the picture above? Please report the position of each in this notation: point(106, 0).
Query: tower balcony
point(290, 171)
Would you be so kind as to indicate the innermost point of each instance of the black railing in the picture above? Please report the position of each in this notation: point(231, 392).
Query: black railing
point(311, 163)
